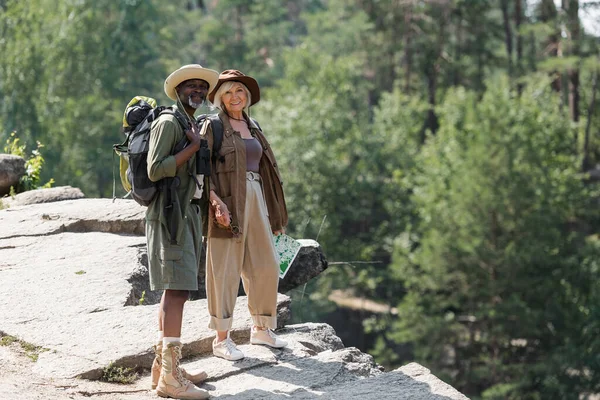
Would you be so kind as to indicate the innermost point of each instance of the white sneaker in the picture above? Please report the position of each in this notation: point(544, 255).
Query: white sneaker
point(266, 337)
point(227, 349)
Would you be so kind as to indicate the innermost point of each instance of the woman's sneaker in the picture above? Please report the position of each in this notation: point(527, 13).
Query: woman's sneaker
point(227, 349)
point(266, 337)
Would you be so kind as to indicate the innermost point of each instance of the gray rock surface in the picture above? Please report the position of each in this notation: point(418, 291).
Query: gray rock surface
point(69, 272)
point(12, 168)
point(126, 217)
point(48, 195)
point(121, 217)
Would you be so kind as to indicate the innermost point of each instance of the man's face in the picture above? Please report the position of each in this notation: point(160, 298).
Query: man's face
point(193, 92)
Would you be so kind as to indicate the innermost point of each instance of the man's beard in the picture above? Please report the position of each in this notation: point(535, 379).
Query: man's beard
point(195, 106)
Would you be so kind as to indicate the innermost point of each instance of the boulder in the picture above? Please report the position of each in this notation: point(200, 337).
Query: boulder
point(12, 168)
point(309, 263)
point(46, 195)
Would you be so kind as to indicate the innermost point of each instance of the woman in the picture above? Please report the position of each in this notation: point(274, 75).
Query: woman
point(247, 207)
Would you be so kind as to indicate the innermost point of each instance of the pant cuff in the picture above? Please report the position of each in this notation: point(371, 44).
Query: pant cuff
point(219, 324)
point(265, 321)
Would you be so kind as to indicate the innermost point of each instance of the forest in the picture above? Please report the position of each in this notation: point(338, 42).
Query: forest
point(444, 153)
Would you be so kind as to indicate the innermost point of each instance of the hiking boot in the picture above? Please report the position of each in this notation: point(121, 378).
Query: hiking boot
point(266, 337)
point(171, 382)
point(195, 378)
point(227, 349)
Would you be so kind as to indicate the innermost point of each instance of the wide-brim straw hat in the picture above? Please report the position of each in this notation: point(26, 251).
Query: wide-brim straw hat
point(235, 75)
point(187, 72)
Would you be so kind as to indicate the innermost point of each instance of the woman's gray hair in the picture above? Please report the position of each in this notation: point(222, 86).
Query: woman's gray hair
point(225, 87)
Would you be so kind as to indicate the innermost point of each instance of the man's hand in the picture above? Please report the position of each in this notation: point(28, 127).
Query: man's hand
point(193, 136)
point(188, 151)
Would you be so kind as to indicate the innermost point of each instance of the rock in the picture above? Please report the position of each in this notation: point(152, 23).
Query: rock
point(309, 263)
point(46, 195)
point(72, 276)
point(90, 256)
point(121, 217)
point(12, 168)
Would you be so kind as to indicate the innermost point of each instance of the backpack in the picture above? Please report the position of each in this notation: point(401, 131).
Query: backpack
point(138, 117)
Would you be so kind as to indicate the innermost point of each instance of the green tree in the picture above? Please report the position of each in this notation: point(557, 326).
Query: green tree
point(345, 166)
point(501, 282)
point(68, 89)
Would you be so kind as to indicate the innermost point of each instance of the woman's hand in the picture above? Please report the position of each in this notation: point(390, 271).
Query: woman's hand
point(221, 211)
point(222, 214)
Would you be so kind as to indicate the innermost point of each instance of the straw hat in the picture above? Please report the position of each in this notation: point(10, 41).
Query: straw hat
point(190, 71)
point(235, 75)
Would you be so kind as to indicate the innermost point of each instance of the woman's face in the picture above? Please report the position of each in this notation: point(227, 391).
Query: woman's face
point(235, 98)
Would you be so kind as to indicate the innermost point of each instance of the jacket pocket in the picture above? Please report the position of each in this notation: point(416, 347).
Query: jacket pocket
point(226, 160)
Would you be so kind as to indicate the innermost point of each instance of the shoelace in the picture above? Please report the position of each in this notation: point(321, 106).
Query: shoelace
point(231, 347)
point(177, 368)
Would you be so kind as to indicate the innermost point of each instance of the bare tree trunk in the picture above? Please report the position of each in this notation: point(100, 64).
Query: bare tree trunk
point(518, 20)
point(588, 125)
point(457, 78)
point(407, 47)
point(533, 50)
point(507, 36)
point(239, 24)
point(431, 123)
point(571, 7)
point(396, 34)
point(433, 69)
point(195, 4)
point(548, 14)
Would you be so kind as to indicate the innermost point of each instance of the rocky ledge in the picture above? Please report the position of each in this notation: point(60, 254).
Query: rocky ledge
point(73, 275)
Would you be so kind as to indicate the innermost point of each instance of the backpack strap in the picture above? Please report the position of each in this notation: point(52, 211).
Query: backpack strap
point(217, 130)
point(183, 122)
point(256, 123)
point(172, 202)
point(170, 185)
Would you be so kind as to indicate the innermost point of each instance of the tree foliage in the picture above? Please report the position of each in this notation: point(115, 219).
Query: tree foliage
point(503, 267)
point(439, 150)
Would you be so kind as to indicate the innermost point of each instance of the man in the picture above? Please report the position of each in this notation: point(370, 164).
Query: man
point(173, 225)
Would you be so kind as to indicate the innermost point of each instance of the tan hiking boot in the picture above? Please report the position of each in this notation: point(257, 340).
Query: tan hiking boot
point(171, 382)
point(195, 377)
